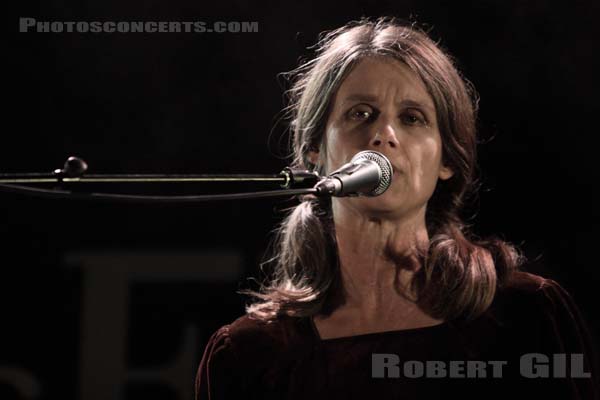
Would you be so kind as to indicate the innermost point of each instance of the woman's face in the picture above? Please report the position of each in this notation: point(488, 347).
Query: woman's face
point(383, 106)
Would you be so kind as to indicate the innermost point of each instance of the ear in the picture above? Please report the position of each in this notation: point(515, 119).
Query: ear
point(445, 173)
point(313, 156)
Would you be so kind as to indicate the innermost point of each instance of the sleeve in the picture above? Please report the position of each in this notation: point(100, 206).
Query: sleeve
point(220, 375)
point(567, 333)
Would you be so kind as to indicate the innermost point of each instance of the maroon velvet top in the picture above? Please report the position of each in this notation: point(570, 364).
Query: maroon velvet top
point(286, 359)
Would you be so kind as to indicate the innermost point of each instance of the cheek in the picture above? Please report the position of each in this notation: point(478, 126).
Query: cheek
point(338, 148)
point(426, 159)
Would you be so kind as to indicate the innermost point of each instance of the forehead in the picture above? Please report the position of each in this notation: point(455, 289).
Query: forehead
point(379, 78)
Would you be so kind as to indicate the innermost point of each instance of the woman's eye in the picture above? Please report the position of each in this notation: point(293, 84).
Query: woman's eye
point(360, 113)
point(413, 118)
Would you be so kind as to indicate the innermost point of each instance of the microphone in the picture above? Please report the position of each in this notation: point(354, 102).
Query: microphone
point(369, 173)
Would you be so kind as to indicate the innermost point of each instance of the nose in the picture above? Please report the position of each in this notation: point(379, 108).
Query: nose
point(385, 136)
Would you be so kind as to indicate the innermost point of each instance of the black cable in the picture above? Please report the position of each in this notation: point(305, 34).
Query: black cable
point(63, 194)
point(34, 177)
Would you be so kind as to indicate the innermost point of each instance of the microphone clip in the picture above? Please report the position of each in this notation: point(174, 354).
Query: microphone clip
point(299, 178)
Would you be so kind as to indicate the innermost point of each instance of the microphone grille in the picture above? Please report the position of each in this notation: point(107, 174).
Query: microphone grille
point(385, 167)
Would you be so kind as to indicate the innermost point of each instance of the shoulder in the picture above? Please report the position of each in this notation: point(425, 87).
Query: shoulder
point(545, 319)
point(239, 352)
point(529, 314)
point(541, 308)
point(529, 294)
point(252, 338)
point(531, 310)
point(524, 289)
point(520, 303)
point(283, 331)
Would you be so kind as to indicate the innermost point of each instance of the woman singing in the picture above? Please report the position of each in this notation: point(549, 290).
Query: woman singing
point(391, 297)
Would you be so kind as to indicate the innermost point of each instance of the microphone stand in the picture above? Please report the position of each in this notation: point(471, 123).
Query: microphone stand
point(74, 169)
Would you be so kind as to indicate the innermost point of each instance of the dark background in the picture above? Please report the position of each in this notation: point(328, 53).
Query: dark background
point(209, 102)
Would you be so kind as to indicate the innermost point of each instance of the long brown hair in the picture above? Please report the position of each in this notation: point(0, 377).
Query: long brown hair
point(460, 273)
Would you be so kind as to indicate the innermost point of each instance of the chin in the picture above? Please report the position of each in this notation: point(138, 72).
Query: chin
point(381, 205)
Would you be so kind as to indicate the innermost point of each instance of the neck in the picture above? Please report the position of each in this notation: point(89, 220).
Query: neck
point(371, 251)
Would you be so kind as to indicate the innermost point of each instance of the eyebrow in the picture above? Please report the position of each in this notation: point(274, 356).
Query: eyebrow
point(372, 99)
